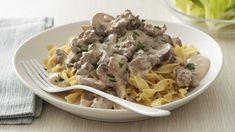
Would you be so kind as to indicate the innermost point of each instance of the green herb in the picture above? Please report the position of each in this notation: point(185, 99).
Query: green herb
point(120, 64)
point(45, 69)
point(190, 66)
point(157, 27)
point(124, 38)
point(106, 40)
point(135, 35)
point(69, 65)
point(111, 78)
point(143, 20)
point(110, 75)
point(61, 79)
point(117, 46)
point(140, 46)
point(83, 49)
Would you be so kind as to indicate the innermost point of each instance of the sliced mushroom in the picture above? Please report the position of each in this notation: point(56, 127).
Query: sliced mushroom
point(100, 18)
point(101, 22)
point(202, 65)
point(100, 102)
point(86, 99)
point(163, 49)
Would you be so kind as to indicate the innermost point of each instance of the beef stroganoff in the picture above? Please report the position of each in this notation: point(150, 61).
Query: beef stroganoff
point(127, 57)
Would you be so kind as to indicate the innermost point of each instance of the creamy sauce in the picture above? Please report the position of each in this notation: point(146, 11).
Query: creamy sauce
point(54, 78)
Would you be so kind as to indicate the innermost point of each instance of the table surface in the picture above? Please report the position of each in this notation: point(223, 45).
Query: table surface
point(211, 111)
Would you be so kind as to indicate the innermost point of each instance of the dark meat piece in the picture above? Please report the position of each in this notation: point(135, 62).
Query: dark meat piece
point(177, 41)
point(60, 56)
point(183, 77)
point(117, 65)
point(89, 36)
point(78, 46)
point(86, 99)
point(195, 81)
point(154, 59)
point(78, 42)
point(100, 102)
point(140, 61)
point(166, 39)
point(85, 69)
point(72, 57)
point(103, 75)
point(152, 30)
point(128, 49)
point(91, 56)
point(167, 58)
point(100, 29)
point(91, 82)
point(124, 21)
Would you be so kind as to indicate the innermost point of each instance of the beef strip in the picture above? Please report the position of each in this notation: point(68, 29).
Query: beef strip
point(86, 99)
point(152, 30)
point(100, 102)
point(91, 56)
point(183, 77)
point(140, 62)
point(61, 55)
point(117, 67)
point(85, 69)
point(91, 82)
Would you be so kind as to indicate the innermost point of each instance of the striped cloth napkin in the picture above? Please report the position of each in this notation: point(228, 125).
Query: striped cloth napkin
point(18, 105)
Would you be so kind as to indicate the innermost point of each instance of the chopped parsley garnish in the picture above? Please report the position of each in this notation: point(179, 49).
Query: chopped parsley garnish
point(117, 46)
point(61, 79)
point(83, 49)
point(110, 75)
point(120, 64)
point(124, 38)
point(111, 78)
point(190, 66)
point(140, 46)
point(157, 27)
point(69, 65)
point(135, 35)
point(106, 40)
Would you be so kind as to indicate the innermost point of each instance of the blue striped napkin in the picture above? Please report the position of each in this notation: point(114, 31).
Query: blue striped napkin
point(18, 105)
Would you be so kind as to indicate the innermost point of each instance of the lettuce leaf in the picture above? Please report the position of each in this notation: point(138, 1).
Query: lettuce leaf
point(210, 9)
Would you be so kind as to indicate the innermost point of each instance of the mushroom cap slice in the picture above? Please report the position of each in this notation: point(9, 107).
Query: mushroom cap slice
point(101, 18)
point(202, 65)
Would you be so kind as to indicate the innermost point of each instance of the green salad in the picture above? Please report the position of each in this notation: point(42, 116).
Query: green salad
point(210, 9)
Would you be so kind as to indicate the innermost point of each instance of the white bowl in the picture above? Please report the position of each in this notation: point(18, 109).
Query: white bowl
point(36, 47)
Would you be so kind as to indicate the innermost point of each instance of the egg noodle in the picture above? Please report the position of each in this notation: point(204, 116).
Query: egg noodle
point(154, 88)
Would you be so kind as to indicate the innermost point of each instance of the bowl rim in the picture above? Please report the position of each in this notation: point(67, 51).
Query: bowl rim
point(175, 10)
point(165, 106)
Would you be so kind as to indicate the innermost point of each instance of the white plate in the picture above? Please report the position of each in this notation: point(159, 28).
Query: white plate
point(36, 47)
